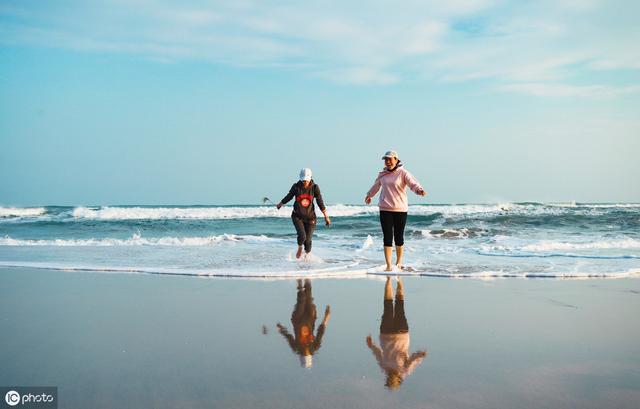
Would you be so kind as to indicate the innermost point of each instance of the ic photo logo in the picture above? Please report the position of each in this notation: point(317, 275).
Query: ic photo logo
point(27, 397)
point(12, 398)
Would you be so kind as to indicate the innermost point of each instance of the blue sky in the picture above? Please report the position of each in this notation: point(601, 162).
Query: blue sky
point(207, 102)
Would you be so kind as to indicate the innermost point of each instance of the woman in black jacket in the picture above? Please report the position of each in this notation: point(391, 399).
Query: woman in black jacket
point(304, 213)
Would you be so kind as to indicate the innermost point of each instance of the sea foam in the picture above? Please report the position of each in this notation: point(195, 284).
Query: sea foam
point(595, 245)
point(22, 211)
point(138, 240)
point(338, 210)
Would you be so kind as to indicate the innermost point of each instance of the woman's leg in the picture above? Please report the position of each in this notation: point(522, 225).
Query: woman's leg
point(388, 257)
point(309, 307)
point(302, 235)
point(298, 309)
point(399, 319)
point(388, 290)
point(309, 227)
point(386, 221)
point(399, 289)
point(399, 221)
point(399, 252)
point(386, 324)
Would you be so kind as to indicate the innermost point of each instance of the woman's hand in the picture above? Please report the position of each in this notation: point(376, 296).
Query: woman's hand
point(327, 315)
point(367, 200)
point(421, 192)
point(327, 220)
point(279, 205)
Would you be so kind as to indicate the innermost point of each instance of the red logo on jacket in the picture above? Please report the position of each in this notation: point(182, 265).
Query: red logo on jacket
point(304, 199)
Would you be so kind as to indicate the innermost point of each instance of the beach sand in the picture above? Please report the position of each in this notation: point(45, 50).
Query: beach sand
point(135, 340)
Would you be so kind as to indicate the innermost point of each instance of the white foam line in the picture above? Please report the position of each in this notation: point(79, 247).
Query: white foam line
point(633, 273)
point(546, 245)
point(331, 272)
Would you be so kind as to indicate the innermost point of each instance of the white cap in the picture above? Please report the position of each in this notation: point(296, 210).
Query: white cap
point(305, 174)
point(390, 154)
point(306, 361)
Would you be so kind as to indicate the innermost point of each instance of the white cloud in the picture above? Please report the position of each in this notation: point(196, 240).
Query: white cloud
point(564, 90)
point(358, 75)
point(533, 47)
point(423, 38)
point(624, 64)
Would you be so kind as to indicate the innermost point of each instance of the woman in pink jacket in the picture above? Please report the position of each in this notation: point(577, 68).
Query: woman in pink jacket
point(392, 183)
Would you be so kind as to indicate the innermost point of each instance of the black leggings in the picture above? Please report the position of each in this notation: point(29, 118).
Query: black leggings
point(305, 229)
point(393, 227)
point(393, 319)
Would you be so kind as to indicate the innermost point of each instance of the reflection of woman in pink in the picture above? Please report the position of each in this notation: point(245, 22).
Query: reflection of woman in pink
point(393, 353)
point(303, 342)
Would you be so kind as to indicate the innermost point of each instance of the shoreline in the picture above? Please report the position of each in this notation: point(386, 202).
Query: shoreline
point(114, 340)
point(327, 274)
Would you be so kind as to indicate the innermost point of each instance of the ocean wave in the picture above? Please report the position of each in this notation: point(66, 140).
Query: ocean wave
point(548, 245)
point(463, 233)
point(611, 205)
point(543, 246)
point(137, 240)
point(22, 211)
point(556, 255)
point(368, 243)
point(454, 211)
point(526, 210)
point(152, 213)
point(338, 210)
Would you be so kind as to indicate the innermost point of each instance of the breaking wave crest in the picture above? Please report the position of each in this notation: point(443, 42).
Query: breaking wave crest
point(340, 210)
point(154, 213)
point(543, 246)
point(239, 212)
point(597, 245)
point(474, 211)
point(137, 240)
point(22, 211)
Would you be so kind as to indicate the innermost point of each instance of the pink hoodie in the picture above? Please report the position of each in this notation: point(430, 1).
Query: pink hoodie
point(393, 197)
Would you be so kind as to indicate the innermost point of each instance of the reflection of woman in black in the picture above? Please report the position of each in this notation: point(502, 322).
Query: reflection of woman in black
point(393, 353)
point(303, 318)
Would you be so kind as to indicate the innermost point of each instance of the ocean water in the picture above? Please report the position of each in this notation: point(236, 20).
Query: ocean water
point(509, 240)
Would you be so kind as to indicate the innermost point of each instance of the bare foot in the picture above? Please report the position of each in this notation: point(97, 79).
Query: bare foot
point(389, 268)
point(299, 252)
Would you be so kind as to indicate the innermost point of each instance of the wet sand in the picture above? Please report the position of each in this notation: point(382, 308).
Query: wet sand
point(133, 340)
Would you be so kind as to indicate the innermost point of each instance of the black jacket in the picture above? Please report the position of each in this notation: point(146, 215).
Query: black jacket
point(303, 207)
